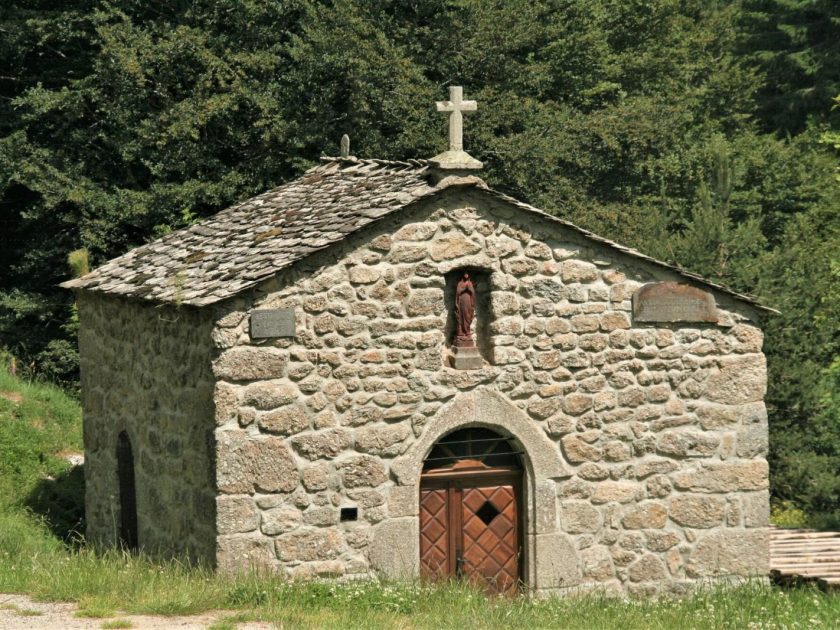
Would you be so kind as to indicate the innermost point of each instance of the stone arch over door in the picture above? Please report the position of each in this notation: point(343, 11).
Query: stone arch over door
point(550, 559)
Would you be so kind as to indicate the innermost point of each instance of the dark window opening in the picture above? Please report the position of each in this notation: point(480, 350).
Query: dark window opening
point(128, 496)
point(349, 514)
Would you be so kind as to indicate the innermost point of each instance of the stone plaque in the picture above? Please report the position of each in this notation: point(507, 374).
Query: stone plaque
point(673, 302)
point(272, 322)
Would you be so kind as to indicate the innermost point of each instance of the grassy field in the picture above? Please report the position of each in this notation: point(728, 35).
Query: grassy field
point(39, 508)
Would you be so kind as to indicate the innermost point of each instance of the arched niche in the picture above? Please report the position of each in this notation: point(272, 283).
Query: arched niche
point(128, 535)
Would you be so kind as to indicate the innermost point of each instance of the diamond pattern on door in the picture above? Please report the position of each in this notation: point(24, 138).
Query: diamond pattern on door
point(490, 553)
point(434, 533)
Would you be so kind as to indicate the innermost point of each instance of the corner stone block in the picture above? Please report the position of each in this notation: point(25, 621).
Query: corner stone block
point(756, 509)
point(557, 562)
point(752, 441)
point(722, 416)
point(250, 364)
point(226, 399)
point(240, 553)
point(725, 477)
point(236, 515)
point(394, 549)
point(245, 463)
point(731, 552)
point(741, 379)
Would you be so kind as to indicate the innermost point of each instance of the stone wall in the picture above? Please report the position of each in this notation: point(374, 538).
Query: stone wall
point(146, 371)
point(646, 443)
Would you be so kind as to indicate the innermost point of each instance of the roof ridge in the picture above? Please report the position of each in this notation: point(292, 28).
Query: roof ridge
point(353, 160)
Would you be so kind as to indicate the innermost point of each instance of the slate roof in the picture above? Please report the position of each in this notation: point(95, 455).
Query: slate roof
point(249, 242)
point(243, 245)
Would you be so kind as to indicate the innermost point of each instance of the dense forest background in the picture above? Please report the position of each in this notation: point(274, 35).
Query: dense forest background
point(703, 132)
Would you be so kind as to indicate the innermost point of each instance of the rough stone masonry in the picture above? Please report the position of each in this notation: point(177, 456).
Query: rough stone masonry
point(643, 443)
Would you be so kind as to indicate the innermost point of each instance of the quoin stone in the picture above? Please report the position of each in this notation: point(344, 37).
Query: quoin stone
point(611, 416)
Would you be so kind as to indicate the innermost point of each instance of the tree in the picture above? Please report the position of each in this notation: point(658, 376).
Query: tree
point(796, 43)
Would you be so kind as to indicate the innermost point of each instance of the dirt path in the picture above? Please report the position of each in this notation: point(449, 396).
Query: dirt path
point(19, 612)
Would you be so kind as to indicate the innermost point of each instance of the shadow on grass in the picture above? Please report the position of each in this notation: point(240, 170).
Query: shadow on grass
point(60, 501)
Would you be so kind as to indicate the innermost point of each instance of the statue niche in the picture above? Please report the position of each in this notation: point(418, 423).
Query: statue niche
point(464, 312)
point(468, 309)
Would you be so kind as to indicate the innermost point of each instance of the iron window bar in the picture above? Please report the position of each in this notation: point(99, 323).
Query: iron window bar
point(483, 456)
point(444, 441)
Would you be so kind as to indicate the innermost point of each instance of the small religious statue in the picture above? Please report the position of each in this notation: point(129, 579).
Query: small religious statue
point(465, 354)
point(464, 312)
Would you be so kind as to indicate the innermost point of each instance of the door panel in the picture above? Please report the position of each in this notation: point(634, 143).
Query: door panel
point(469, 527)
point(435, 557)
point(490, 541)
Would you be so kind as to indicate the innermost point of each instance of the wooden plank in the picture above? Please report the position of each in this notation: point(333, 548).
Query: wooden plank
point(799, 541)
point(805, 556)
point(775, 535)
point(806, 559)
point(808, 545)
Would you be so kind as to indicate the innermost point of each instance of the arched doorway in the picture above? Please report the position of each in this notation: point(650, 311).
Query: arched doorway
point(128, 495)
point(470, 510)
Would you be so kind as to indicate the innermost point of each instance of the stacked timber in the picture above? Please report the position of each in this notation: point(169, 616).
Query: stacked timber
point(800, 556)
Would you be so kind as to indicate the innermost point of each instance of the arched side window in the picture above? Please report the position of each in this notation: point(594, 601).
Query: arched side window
point(128, 494)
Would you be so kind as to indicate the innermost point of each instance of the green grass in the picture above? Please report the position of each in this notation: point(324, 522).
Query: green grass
point(117, 623)
point(35, 560)
point(39, 426)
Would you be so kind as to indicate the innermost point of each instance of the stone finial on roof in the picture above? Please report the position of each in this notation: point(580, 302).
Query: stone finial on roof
point(345, 146)
point(456, 158)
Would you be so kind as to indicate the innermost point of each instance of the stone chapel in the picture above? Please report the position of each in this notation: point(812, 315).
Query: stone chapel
point(389, 368)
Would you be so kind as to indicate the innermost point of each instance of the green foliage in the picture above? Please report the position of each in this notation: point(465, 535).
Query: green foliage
point(786, 514)
point(79, 262)
point(716, 241)
point(796, 43)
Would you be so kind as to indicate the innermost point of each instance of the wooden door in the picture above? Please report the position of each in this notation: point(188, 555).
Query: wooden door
point(469, 527)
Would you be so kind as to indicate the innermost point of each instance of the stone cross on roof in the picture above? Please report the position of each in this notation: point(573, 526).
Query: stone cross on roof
point(456, 158)
point(455, 105)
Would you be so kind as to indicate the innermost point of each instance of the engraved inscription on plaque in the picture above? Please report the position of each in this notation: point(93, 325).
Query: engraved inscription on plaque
point(272, 322)
point(673, 302)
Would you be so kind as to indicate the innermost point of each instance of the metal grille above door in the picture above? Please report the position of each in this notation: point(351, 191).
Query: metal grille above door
point(480, 447)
